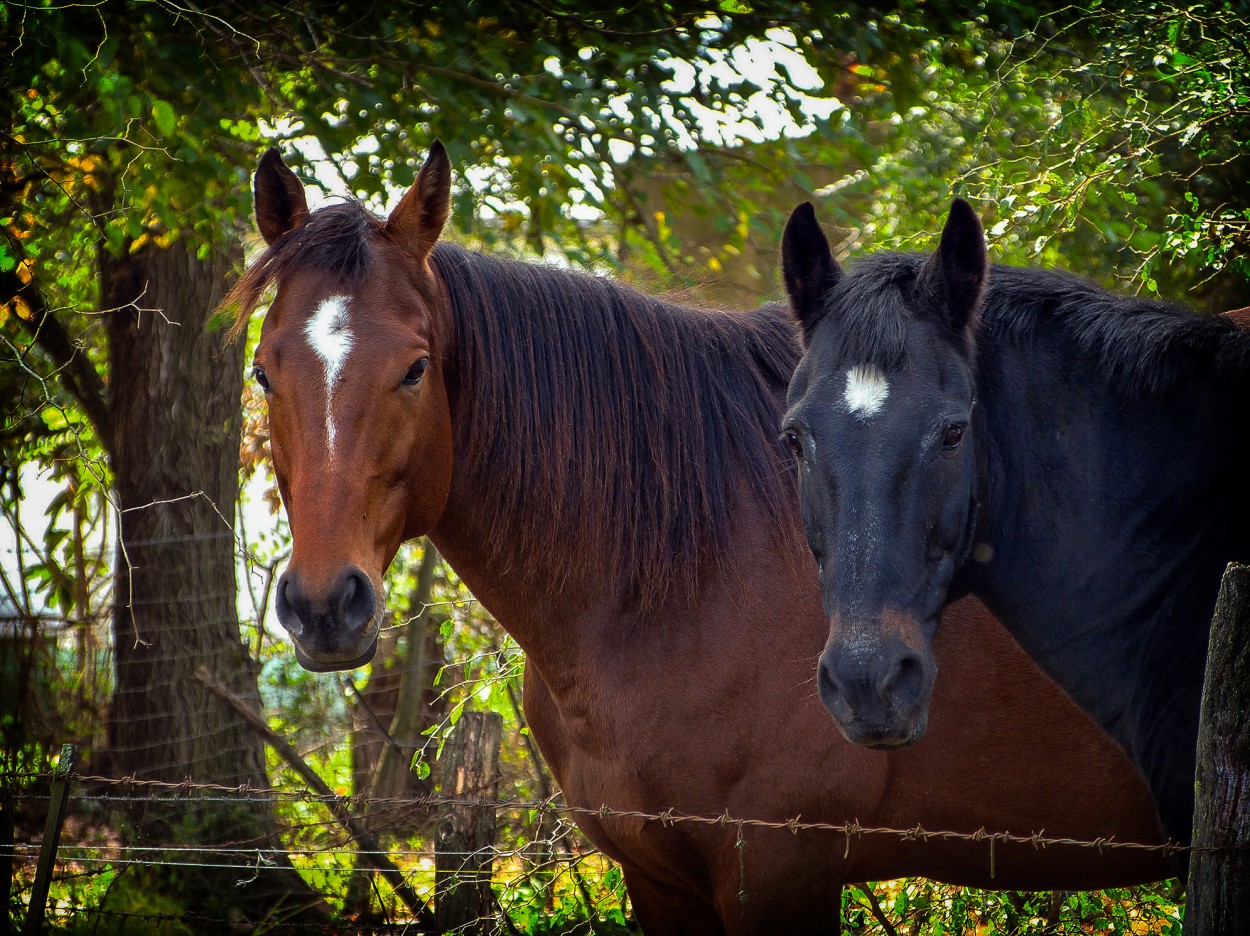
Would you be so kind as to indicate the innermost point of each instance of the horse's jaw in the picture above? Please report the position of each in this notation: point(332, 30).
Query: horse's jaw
point(333, 666)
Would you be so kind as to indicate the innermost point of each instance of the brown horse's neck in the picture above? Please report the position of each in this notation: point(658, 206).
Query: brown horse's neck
point(553, 614)
point(548, 620)
point(593, 646)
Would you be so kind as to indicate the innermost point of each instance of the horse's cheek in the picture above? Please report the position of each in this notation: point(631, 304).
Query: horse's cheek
point(429, 465)
point(278, 454)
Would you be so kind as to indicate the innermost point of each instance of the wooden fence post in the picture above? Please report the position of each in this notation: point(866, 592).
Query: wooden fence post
point(465, 838)
point(8, 807)
point(1218, 900)
point(51, 840)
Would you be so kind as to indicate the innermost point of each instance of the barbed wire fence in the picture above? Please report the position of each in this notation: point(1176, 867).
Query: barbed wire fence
point(518, 874)
point(531, 862)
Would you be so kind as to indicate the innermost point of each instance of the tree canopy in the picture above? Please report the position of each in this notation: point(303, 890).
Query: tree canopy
point(1117, 134)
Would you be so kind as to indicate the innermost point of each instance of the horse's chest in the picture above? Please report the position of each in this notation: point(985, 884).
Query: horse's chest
point(596, 760)
point(599, 762)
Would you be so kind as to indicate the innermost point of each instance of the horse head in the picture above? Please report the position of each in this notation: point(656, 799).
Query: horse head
point(881, 425)
point(352, 362)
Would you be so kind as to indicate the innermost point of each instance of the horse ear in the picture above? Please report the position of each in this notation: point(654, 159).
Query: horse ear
point(956, 274)
point(280, 202)
point(808, 267)
point(419, 217)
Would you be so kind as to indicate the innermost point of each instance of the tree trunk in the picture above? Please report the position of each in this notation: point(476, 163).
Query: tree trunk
point(396, 706)
point(173, 430)
point(465, 841)
point(373, 708)
point(418, 705)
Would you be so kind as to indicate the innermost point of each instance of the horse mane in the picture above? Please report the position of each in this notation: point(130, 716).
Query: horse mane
point(624, 429)
point(1141, 346)
point(640, 418)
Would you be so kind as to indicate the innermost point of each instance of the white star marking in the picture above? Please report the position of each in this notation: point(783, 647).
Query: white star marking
point(866, 391)
point(331, 339)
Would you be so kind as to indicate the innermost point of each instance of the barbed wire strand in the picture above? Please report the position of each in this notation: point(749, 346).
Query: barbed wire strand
point(851, 829)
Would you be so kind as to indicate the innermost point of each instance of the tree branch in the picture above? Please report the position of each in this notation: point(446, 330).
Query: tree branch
point(370, 849)
point(75, 370)
point(877, 910)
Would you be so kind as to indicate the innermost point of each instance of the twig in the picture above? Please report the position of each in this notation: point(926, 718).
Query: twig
point(370, 850)
point(877, 909)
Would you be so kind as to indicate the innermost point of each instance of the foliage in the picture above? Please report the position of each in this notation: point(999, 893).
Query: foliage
point(1110, 140)
point(919, 906)
point(1146, 145)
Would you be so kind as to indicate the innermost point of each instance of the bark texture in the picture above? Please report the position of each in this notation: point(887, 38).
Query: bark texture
point(465, 840)
point(1218, 899)
point(174, 422)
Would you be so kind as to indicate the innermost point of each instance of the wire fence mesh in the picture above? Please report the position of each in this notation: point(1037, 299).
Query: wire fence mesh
point(531, 876)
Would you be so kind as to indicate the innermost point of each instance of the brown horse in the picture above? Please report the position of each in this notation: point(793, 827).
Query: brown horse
point(601, 468)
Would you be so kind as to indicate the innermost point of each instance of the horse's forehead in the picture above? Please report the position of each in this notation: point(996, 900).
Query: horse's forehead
point(339, 343)
point(330, 333)
point(923, 378)
point(326, 313)
point(866, 392)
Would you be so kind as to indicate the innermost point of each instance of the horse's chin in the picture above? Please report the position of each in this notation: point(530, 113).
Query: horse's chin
point(877, 738)
point(332, 666)
point(890, 744)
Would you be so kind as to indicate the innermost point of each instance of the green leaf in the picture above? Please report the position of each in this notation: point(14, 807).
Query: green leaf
point(163, 114)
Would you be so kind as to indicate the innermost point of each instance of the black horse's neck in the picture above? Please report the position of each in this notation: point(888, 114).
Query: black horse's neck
point(1107, 519)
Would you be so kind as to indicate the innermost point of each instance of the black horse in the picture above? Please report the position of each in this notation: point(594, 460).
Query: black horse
point(1074, 458)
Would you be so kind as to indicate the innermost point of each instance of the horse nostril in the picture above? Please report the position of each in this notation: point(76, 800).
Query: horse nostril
point(355, 600)
point(346, 595)
point(825, 675)
point(285, 605)
point(905, 680)
point(827, 683)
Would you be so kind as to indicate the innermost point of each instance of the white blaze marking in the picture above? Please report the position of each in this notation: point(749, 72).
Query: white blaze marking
point(866, 391)
point(331, 339)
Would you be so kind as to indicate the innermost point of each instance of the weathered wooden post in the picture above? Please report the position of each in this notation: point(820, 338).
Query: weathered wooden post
point(465, 839)
point(8, 806)
point(51, 840)
point(1218, 900)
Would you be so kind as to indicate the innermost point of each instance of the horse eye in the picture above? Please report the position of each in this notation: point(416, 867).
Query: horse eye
point(792, 440)
point(416, 372)
point(258, 374)
point(952, 437)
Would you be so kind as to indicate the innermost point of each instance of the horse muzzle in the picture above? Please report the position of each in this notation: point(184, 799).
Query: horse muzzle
point(333, 666)
point(878, 692)
point(334, 628)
